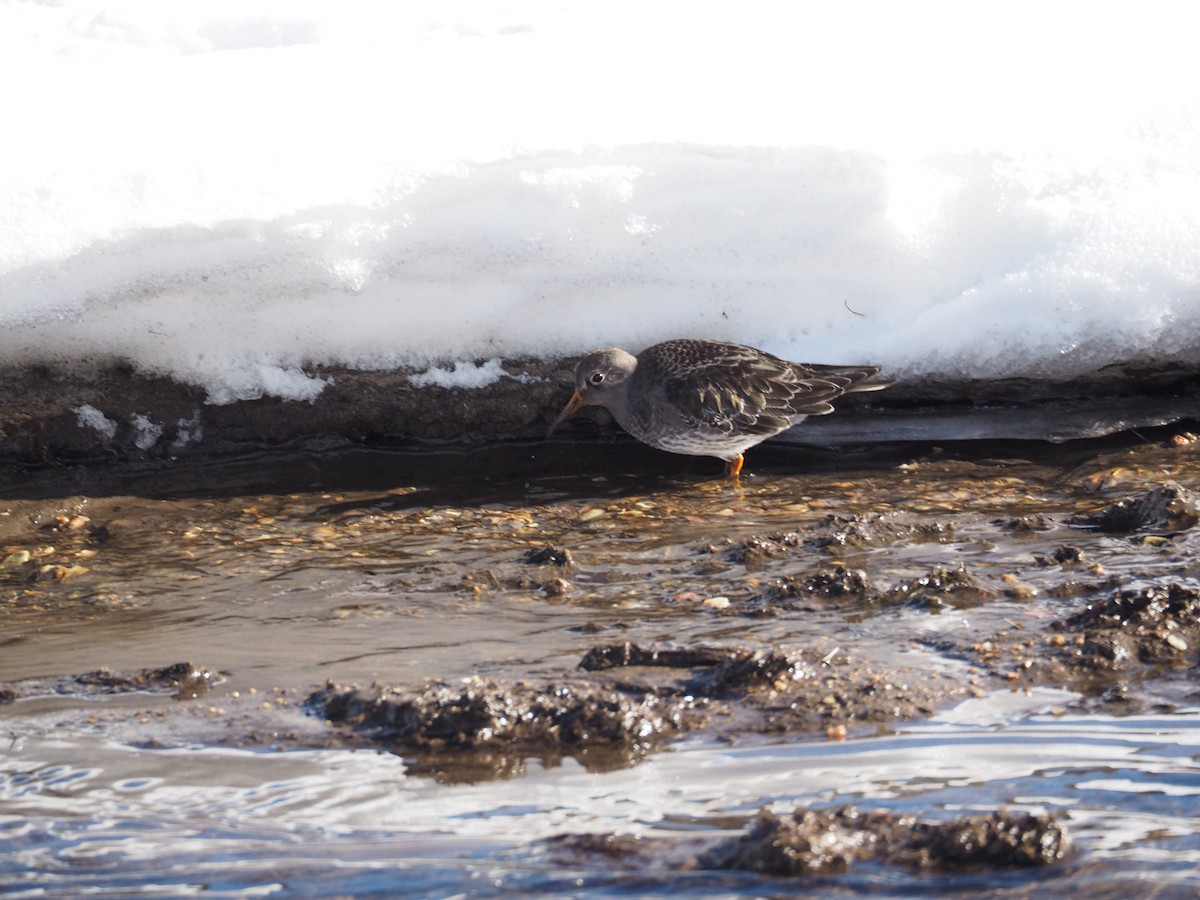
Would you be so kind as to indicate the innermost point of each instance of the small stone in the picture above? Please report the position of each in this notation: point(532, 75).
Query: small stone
point(547, 554)
point(556, 587)
point(1021, 592)
point(1176, 641)
point(717, 602)
point(60, 573)
point(18, 558)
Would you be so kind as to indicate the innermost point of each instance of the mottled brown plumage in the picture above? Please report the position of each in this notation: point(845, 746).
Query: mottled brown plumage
point(709, 398)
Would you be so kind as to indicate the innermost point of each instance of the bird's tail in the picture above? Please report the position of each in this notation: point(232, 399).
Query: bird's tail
point(858, 379)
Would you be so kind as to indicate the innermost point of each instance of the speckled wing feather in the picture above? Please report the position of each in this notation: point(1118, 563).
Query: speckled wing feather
point(740, 390)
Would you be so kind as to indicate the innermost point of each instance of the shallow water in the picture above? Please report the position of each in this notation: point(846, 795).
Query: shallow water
point(279, 572)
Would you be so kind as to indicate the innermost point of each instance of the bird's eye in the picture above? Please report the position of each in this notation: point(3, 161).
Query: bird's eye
point(596, 377)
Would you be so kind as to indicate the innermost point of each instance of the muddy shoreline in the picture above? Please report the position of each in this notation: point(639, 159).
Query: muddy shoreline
point(482, 611)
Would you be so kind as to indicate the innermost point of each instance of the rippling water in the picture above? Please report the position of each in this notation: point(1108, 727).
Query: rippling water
point(279, 574)
point(84, 811)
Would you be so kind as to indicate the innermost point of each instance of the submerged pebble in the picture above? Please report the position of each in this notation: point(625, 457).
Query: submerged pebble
point(15, 559)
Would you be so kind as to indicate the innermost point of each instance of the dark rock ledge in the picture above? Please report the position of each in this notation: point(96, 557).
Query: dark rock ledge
point(147, 417)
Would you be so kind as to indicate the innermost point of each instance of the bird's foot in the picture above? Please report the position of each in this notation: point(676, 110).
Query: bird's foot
point(733, 468)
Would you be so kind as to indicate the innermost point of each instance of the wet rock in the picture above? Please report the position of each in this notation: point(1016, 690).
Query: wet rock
point(1029, 523)
point(510, 576)
point(506, 720)
point(67, 523)
point(59, 572)
point(500, 578)
point(824, 842)
point(942, 587)
point(626, 653)
point(743, 671)
point(649, 695)
point(1107, 650)
point(597, 627)
point(14, 560)
point(548, 555)
point(184, 680)
point(617, 847)
point(1065, 556)
point(810, 843)
point(1130, 635)
point(836, 532)
point(819, 588)
point(1164, 508)
point(769, 691)
point(556, 587)
point(1158, 625)
point(756, 550)
point(1074, 587)
point(723, 671)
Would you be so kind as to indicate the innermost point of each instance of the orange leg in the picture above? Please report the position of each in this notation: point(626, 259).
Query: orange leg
point(733, 468)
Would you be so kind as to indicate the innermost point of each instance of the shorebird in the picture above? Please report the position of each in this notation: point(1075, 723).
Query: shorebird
point(709, 398)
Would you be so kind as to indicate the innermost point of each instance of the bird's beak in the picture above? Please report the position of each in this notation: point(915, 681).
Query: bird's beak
point(573, 406)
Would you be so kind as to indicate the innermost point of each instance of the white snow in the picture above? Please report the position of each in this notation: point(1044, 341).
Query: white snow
point(461, 374)
point(146, 433)
point(90, 417)
point(232, 192)
point(188, 431)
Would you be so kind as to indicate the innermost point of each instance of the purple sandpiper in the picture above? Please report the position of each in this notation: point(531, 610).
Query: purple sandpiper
point(709, 398)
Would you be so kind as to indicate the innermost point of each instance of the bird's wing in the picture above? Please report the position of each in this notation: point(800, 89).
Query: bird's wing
point(750, 393)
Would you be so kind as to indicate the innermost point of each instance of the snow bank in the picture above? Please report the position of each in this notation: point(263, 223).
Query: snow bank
point(236, 195)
